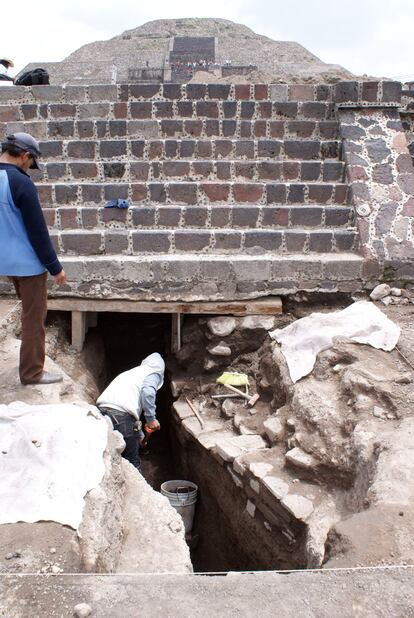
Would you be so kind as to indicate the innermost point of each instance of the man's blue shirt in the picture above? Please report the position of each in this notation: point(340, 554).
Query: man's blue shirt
point(25, 245)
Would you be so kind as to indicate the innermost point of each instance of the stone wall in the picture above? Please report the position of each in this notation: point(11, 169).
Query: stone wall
point(235, 191)
point(380, 174)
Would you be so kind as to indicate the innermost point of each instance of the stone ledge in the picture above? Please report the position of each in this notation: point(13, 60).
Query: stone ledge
point(198, 277)
point(385, 91)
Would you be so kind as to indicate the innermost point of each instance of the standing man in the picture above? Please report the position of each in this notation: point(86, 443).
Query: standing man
point(26, 251)
point(131, 393)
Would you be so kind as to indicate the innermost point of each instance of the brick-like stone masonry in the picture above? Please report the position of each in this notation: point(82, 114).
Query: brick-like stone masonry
point(235, 191)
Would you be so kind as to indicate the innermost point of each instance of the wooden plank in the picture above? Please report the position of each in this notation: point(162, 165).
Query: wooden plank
point(261, 306)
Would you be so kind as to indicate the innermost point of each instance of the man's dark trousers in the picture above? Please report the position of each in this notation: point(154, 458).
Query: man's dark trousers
point(32, 291)
point(124, 423)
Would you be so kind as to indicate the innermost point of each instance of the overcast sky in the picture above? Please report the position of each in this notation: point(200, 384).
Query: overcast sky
point(364, 36)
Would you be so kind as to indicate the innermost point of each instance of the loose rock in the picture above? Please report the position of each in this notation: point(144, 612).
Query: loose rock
point(299, 458)
point(253, 322)
point(299, 506)
point(273, 428)
point(219, 350)
point(229, 408)
point(221, 326)
point(379, 412)
point(380, 291)
point(82, 610)
point(11, 555)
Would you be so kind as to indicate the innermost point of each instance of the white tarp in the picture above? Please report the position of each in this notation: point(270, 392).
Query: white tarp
point(50, 457)
point(361, 322)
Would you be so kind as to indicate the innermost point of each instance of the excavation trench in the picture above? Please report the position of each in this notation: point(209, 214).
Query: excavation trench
point(227, 534)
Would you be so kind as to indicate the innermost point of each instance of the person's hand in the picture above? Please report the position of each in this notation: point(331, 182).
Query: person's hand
point(154, 425)
point(60, 278)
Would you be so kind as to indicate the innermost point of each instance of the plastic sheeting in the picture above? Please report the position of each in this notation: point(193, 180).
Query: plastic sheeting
point(50, 457)
point(361, 322)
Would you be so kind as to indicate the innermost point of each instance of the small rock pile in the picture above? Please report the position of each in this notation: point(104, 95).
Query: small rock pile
point(392, 296)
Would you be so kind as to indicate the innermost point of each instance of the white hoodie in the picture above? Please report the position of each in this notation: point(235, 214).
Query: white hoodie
point(124, 392)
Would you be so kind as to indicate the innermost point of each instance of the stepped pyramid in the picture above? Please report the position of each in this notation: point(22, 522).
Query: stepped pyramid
point(148, 53)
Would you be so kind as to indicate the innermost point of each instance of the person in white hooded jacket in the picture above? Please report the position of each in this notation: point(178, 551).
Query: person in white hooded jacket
point(129, 395)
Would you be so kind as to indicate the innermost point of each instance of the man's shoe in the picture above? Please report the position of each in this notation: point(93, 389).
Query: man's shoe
point(50, 378)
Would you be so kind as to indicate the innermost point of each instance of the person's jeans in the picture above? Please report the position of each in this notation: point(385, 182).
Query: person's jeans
point(124, 423)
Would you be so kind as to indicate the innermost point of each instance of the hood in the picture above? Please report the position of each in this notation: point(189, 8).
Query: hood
point(155, 362)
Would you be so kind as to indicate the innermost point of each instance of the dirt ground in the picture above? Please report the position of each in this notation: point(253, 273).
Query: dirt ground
point(370, 593)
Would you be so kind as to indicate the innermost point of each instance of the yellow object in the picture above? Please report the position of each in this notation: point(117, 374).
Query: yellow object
point(233, 378)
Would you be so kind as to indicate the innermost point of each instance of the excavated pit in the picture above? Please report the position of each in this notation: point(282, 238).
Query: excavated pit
point(224, 536)
point(284, 485)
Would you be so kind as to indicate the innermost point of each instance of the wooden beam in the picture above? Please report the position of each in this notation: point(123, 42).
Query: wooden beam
point(271, 305)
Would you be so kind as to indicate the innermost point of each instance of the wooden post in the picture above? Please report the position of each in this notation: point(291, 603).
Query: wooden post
point(176, 321)
point(78, 329)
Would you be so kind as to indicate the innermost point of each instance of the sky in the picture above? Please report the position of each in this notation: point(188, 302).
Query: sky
point(374, 37)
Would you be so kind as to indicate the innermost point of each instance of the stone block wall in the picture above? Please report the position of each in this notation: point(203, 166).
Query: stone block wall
point(380, 174)
point(309, 186)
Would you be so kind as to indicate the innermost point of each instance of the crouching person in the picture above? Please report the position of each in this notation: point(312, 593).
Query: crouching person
point(129, 395)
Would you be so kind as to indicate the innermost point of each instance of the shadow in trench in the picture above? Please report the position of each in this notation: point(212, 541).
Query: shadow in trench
point(220, 540)
point(128, 338)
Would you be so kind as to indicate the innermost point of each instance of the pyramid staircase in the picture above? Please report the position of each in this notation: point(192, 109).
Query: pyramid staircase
point(232, 194)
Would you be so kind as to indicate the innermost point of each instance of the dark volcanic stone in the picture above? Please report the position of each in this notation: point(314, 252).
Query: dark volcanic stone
point(377, 150)
point(385, 218)
point(382, 174)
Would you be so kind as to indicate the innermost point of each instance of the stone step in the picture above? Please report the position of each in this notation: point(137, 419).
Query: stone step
point(204, 217)
point(190, 170)
point(208, 277)
point(155, 109)
point(82, 193)
point(172, 241)
point(97, 93)
point(159, 149)
point(184, 128)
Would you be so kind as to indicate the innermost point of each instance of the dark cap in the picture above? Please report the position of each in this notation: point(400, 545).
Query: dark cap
point(27, 143)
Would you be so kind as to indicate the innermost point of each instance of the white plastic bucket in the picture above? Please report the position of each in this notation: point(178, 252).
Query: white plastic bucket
point(182, 495)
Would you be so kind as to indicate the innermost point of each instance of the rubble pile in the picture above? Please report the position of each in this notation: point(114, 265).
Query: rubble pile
point(392, 296)
point(307, 456)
